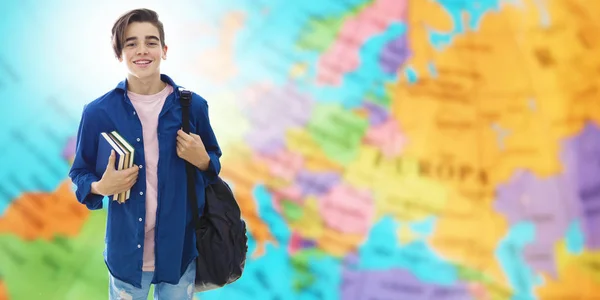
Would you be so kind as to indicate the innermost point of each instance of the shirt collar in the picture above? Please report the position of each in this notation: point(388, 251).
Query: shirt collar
point(122, 86)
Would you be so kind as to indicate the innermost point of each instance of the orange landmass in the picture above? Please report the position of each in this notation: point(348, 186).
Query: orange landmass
point(572, 283)
point(578, 275)
point(343, 56)
point(245, 174)
point(217, 62)
point(502, 97)
point(3, 291)
point(467, 233)
point(338, 243)
point(36, 215)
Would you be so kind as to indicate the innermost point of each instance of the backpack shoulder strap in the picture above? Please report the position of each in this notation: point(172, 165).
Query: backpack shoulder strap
point(185, 98)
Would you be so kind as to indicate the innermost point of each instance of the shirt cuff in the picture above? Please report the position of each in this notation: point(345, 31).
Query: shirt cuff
point(212, 172)
point(84, 192)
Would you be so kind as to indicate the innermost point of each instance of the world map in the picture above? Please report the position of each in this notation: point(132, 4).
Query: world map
point(378, 149)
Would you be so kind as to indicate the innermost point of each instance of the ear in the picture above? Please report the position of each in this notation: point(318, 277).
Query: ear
point(164, 56)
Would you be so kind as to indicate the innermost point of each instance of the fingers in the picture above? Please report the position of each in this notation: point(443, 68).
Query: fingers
point(132, 176)
point(185, 142)
point(128, 182)
point(111, 161)
point(133, 170)
point(196, 137)
point(186, 137)
point(181, 145)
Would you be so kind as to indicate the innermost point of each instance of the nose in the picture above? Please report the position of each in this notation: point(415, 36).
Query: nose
point(142, 49)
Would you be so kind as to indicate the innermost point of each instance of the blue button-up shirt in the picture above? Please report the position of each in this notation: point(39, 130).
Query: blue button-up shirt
point(174, 239)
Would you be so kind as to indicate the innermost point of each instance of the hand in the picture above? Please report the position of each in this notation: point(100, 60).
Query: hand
point(116, 181)
point(191, 148)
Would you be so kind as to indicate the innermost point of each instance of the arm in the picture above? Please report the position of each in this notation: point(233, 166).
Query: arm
point(82, 171)
point(210, 144)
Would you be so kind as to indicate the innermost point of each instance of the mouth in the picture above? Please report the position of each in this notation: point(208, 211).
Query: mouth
point(142, 62)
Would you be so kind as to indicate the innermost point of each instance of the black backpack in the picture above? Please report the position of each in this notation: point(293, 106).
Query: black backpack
point(221, 232)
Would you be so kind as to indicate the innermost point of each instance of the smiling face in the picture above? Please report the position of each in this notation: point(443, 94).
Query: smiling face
point(142, 50)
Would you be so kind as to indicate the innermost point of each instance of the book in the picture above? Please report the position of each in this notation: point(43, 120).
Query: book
point(129, 156)
point(124, 157)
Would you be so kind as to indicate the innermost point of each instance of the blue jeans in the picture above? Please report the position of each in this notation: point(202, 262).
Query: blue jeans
point(184, 290)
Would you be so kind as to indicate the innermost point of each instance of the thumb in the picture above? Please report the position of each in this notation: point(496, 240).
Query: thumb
point(111, 160)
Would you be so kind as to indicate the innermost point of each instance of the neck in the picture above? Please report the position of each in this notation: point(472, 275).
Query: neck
point(145, 86)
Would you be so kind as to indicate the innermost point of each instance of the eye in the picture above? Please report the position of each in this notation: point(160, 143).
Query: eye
point(152, 44)
point(130, 45)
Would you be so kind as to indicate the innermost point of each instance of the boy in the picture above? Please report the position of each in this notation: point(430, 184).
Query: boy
point(148, 237)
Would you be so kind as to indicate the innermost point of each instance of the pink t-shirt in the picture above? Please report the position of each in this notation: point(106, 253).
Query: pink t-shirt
point(148, 108)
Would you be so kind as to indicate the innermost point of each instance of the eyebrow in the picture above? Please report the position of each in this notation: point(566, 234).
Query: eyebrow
point(148, 37)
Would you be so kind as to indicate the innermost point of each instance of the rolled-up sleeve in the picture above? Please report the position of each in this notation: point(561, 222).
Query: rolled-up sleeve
point(82, 171)
point(210, 144)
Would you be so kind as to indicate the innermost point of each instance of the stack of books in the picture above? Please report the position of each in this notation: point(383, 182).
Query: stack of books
point(124, 156)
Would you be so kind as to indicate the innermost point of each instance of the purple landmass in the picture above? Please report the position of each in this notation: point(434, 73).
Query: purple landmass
point(552, 204)
point(69, 149)
point(583, 153)
point(394, 54)
point(307, 244)
point(394, 284)
point(526, 198)
point(377, 114)
point(275, 113)
point(316, 183)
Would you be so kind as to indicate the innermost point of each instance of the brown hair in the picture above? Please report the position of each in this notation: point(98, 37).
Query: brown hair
point(136, 15)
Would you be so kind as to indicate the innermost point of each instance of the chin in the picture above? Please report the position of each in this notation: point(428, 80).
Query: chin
point(144, 73)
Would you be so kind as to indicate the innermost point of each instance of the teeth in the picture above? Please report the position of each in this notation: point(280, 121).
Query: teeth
point(142, 62)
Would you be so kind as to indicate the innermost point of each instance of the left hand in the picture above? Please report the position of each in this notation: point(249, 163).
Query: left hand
point(191, 148)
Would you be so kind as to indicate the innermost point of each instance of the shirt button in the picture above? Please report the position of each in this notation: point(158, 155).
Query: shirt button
point(141, 166)
point(139, 246)
point(140, 219)
point(138, 139)
point(141, 193)
point(134, 113)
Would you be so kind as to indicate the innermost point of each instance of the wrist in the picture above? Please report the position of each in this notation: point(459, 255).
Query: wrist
point(203, 163)
point(97, 188)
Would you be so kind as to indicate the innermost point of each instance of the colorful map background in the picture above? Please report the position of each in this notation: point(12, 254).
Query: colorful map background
point(379, 149)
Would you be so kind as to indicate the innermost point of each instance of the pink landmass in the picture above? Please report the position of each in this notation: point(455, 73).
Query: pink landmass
point(348, 209)
point(343, 56)
point(387, 137)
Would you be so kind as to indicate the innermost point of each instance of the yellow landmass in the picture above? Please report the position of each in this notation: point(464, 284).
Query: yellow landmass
point(42, 215)
point(411, 199)
point(227, 118)
point(504, 95)
point(373, 170)
point(298, 70)
point(245, 174)
point(310, 225)
point(315, 159)
point(467, 233)
point(406, 235)
point(397, 187)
